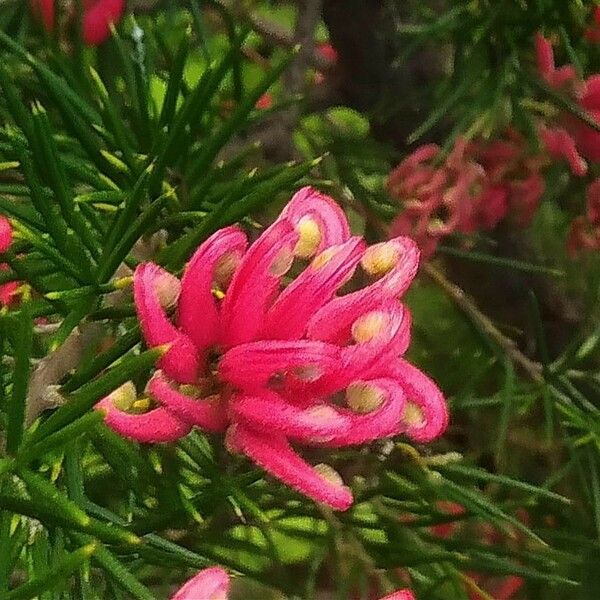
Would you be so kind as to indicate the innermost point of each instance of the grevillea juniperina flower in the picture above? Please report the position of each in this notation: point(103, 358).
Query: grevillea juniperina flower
point(570, 138)
point(208, 584)
point(584, 233)
point(213, 584)
point(97, 18)
point(8, 290)
point(473, 188)
point(264, 347)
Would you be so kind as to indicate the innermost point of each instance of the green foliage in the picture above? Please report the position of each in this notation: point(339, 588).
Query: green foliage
point(144, 148)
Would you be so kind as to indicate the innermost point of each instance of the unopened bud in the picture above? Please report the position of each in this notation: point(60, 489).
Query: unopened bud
point(310, 237)
point(363, 397)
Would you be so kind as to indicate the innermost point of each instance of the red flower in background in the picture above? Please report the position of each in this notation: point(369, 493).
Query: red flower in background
point(474, 188)
point(571, 138)
point(98, 15)
point(592, 33)
point(7, 290)
point(584, 234)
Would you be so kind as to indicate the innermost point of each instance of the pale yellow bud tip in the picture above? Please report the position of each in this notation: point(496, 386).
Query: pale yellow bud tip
point(413, 415)
point(369, 326)
point(380, 259)
point(124, 397)
point(329, 474)
point(362, 397)
point(310, 238)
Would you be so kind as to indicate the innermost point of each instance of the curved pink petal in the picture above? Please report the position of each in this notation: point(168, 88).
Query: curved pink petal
point(6, 234)
point(382, 422)
point(255, 283)
point(208, 584)
point(400, 595)
point(98, 18)
point(274, 454)
point(544, 56)
point(404, 262)
point(198, 313)
point(314, 287)
point(270, 412)
point(423, 393)
point(392, 341)
point(207, 414)
point(255, 365)
point(560, 144)
point(181, 361)
point(309, 203)
point(155, 426)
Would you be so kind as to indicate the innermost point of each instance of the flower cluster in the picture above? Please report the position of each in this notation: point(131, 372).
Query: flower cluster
point(263, 347)
point(213, 584)
point(584, 234)
point(98, 16)
point(500, 588)
point(8, 291)
point(570, 138)
point(473, 188)
point(592, 33)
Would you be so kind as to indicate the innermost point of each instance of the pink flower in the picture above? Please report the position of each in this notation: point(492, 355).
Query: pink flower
point(265, 362)
point(546, 66)
point(265, 101)
point(571, 139)
point(213, 584)
point(474, 188)
point(98, 16)
point(400, 595)
point(6, 234)
point(327, 51)
point(584, 233)
point(208, 584)
point(8, 291)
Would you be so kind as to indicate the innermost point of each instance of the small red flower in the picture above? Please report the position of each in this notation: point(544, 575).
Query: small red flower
point(98, 16)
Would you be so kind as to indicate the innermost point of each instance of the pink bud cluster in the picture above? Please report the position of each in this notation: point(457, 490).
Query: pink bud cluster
point(213, 584)
point(570, 138)
point(263, 346)
point(584, 234)
point(98, 16)
point(8, 291)
point(474, 187)
point(500, 589)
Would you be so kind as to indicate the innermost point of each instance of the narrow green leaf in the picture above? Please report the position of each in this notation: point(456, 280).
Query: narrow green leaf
point(54, 577)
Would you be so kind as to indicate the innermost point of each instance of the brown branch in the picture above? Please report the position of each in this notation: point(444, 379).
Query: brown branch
point(459, 297)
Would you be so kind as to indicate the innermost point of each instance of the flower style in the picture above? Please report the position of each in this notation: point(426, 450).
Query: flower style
point(268, 364)
point(474, 188)
point(8, 291)
point(571, 138)
point(98, 16)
